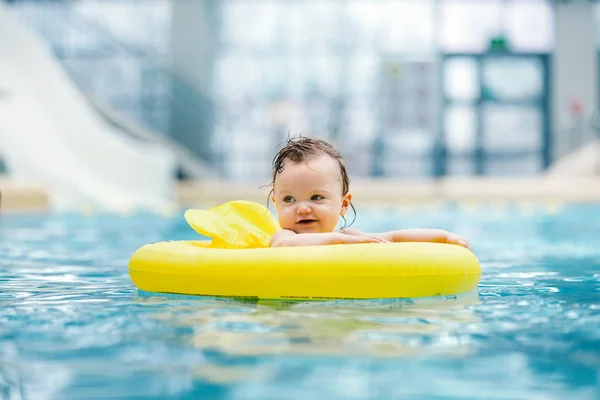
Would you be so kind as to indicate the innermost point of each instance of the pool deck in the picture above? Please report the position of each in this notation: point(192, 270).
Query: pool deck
point(387, 191)
point(23, 197)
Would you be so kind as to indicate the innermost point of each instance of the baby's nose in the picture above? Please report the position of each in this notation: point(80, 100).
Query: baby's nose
point(303, 208)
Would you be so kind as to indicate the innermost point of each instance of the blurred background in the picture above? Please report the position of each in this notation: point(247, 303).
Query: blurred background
point(406, 89)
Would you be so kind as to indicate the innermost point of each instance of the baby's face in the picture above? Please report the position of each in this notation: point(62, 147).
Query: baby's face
point(308, 195)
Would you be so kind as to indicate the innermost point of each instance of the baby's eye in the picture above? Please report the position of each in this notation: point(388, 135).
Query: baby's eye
point(316, 197)
point(288, 199)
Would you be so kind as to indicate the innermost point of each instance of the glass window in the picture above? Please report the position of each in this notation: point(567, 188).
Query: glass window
point(468, 25)
point(145, 23)
point(359, 121)
point(511, 128)
point(393, 25)
point(236, 76)
point(327, 60)
point(529, 25)
point(460, 126)
point(311, 25)
point(274, 76)
point(320, 75)
point(407, 26)
point(253, 23)
point(362, 73)
point(409, 142)
point(461, 80)
point(510, 78)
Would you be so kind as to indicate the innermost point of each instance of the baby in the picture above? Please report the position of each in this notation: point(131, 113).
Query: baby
point(311, 190)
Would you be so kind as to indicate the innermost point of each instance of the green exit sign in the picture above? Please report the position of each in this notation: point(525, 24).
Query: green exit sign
point(498, 43)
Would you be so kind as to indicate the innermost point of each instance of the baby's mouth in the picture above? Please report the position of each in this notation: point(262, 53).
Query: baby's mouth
point(306, 221)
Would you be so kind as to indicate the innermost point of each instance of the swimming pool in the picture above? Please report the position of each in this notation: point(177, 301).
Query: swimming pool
point(73, 326)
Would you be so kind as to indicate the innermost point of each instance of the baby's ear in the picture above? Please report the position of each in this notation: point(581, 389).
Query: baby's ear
point(346, 202)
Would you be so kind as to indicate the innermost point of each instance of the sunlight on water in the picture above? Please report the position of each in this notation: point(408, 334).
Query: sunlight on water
point(73, 326)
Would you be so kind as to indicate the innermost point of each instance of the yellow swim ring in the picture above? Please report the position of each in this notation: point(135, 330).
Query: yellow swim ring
point(236, 263)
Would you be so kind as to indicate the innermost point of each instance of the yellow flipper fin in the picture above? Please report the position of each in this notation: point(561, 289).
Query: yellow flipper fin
point(235, 225)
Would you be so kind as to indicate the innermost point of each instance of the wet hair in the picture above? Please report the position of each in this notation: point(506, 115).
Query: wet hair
point(301, 148)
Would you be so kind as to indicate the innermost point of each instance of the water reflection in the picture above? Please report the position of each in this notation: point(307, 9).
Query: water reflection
point(382, 328)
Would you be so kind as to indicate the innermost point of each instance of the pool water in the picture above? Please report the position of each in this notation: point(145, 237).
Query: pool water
point(73, 326)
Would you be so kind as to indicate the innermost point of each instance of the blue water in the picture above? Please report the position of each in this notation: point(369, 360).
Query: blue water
point(72, 325)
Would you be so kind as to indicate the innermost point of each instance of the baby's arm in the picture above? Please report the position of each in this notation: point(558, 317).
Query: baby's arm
point(415, 235)
point(285, 238)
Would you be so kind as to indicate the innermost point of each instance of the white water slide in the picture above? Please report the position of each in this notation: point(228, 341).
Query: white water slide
point(51, 135)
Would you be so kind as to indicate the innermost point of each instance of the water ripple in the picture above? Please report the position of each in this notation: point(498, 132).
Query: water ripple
point(73, 326)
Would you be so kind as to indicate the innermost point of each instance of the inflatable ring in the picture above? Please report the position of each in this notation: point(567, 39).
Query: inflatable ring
point(346, 272)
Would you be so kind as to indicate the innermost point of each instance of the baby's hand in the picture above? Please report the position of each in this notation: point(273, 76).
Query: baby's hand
point(458, 240)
